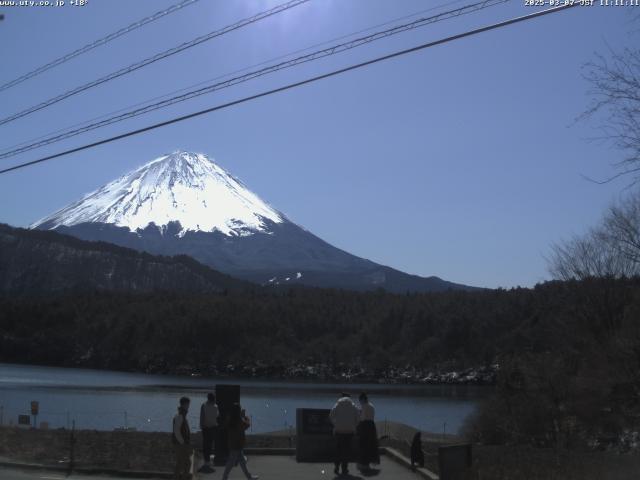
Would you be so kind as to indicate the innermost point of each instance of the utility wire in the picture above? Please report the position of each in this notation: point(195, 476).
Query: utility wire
point(332, 50)
point(98, 43)
point(219, 77)
point(159, 56)
point(297, 84)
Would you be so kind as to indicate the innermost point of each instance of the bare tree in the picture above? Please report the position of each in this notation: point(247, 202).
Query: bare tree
point(622, 227)
point(611, 249)
point(615, 88)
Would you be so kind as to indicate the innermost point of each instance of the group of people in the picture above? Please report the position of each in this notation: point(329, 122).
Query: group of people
point(235, 424)
point(347, 419)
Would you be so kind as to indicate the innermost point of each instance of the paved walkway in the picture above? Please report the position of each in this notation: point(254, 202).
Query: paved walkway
point(16, 474)
point(281, 467)
point(267, 467)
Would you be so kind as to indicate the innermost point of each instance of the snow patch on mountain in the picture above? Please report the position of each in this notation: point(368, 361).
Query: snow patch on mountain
point(184, 187)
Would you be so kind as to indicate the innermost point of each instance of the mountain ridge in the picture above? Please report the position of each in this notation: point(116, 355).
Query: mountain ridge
point(184, 203)
point(45, 262)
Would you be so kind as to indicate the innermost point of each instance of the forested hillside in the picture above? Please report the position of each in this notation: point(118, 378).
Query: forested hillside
point(170, 332)
point(36, 262)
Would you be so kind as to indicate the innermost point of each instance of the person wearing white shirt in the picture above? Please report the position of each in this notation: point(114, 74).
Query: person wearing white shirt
point(367, 435)
point(208, 424)
point(344, 416)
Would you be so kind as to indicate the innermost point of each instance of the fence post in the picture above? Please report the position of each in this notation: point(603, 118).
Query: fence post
point(71, 448)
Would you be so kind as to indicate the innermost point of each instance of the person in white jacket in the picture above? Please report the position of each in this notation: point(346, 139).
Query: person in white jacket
point(345, 417)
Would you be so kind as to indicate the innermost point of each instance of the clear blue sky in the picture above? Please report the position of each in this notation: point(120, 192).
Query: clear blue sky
point(460, 161)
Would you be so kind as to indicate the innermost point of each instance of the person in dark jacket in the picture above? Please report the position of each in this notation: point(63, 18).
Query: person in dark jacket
point(181, 438)
point(367, 435)
point(236, 424)
point(208, 424)
point(417, 455)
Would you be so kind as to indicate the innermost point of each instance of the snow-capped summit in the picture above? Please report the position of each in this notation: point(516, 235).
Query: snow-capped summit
point(184, 187)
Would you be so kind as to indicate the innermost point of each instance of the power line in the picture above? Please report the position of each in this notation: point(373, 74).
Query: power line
point(98, 43)
point(297, 84)
point(332, 50)
point(159, 56)
point(68, 128)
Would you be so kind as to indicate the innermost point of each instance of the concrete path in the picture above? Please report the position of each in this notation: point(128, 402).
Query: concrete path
point(268, 467)
point(17, 474)
point(281, 467)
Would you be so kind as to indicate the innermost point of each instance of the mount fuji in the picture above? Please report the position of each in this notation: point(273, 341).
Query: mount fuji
point(185, 203)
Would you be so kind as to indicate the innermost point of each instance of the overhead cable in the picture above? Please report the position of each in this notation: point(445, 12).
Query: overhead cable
point(159, 56)
point(325, 52)
point(225, 75)
point(98, 43)
point(441, 41)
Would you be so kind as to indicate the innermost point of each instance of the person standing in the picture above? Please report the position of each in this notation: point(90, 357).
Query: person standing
point(345, 417)
point(417, 455)
point(236, 424)
point(367, 435)
point(208, 424)
point(181, 438)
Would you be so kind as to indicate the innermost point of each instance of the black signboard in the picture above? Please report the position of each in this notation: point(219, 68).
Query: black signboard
point(315, 441)
point(226, 396)
point(315, 421)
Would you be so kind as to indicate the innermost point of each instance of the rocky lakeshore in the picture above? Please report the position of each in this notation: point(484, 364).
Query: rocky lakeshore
point(484, 375)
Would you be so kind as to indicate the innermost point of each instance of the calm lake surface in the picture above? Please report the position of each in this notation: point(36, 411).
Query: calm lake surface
point(105, 400)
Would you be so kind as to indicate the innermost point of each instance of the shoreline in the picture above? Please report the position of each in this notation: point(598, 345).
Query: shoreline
point(305, 375)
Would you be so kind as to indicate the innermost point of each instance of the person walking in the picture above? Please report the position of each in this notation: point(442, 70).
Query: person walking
point(208, 425)
point(367, 435)
point(181, 438)
point(345, 417)
point(236, 423)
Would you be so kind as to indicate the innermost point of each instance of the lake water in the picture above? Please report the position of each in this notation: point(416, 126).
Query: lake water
point(105, 400)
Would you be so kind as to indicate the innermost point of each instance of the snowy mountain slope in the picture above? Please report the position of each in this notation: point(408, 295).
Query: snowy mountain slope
point(184, 203)
point(182, 187)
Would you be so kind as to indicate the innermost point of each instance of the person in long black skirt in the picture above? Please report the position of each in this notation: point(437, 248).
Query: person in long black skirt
point(367, 435)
